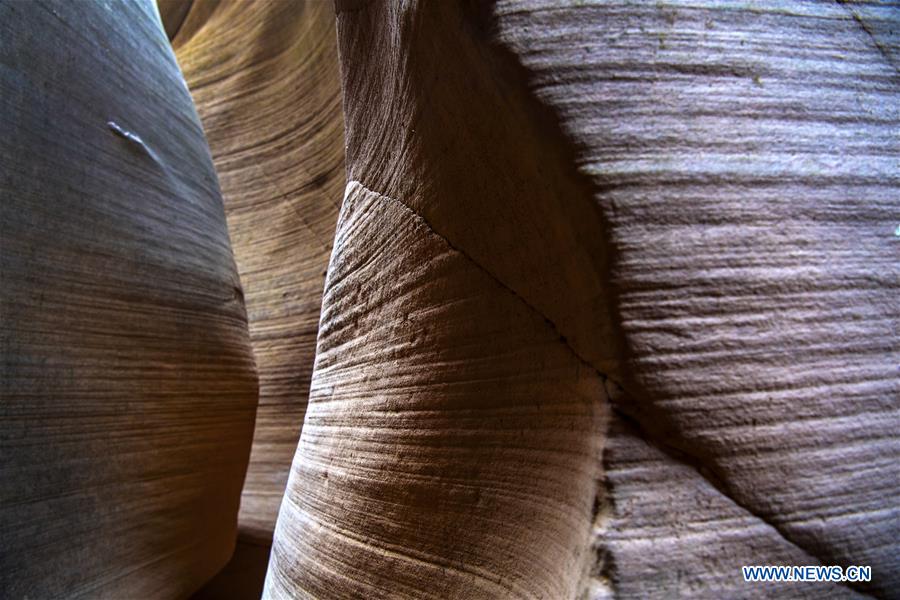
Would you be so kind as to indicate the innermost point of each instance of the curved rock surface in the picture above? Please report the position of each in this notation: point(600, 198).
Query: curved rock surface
point(452, 441)
point(128, 388)
point(696, 201)
point(265, 78)
point(611, 308)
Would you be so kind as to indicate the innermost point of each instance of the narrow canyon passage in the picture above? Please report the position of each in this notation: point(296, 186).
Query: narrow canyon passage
point(530, 298)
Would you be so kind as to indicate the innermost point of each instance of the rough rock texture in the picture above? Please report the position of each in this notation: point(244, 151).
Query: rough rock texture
point(265, 79)
point(667, 531)
point(698, 200)
point(452, 440)
point(746, 161)
point(452, 443)
point(127, 385)
point(611, 309)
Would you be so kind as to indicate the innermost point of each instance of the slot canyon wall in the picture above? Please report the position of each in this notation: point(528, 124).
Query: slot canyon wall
point(268, 94)
point(548, 299)
point(128, 386)
point(647, 202)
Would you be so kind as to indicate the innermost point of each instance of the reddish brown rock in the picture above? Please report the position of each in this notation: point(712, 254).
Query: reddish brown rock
point(452, 442)
point(265, 79)
point(611, 307)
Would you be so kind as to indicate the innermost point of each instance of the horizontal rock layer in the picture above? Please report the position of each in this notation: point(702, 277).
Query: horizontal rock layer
point(746, 163)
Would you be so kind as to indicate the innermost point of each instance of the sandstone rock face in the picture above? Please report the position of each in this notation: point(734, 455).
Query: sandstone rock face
point(694, 203)
point(265, 79)
point(610, 309)
point(451, 437)
point(127, 386)
point(747, 166)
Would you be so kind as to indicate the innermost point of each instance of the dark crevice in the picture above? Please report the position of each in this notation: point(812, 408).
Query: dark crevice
point(173, 14)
